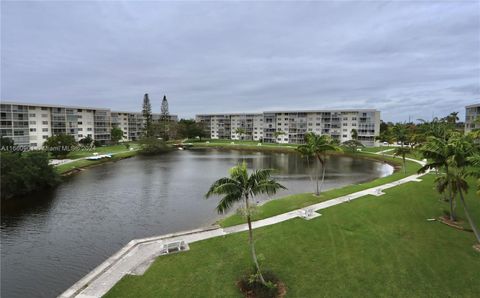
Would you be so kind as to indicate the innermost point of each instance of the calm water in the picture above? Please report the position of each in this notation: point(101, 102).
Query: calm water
point(51, 240)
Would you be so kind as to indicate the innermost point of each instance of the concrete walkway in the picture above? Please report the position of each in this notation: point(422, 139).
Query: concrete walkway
point(137, 255)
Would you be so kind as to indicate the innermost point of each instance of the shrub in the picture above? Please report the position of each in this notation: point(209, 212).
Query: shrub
point(152, 146)
point(60, 145)
point(24, 173)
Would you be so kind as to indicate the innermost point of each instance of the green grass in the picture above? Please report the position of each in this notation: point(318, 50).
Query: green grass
point(374, 246)
point(100, 150)
point(83, 163)
point(376, 149)
point(296, 201)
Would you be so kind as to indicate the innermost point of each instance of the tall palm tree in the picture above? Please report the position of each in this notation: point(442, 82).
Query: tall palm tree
point(460, 186)
point(242, 186)
point(460, 162)
point(437, 151)
point(318, 146)
point(402, 151)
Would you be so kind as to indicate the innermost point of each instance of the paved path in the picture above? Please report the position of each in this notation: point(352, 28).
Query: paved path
point(137, 255)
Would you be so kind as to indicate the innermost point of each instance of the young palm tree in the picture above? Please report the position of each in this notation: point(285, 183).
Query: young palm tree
point(242, 186)
point(318, 146)
point(307, 152)
point(402, 151)
point(240, 132)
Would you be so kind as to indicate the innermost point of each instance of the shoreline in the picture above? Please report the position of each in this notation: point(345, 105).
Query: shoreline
point(137, 256)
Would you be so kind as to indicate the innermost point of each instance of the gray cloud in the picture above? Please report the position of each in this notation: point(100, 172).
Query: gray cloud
point(408, 59)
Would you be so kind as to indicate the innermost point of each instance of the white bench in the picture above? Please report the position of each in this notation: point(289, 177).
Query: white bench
point(308, 214)
point(173, 247)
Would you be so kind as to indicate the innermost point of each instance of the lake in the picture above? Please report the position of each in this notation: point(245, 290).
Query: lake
point(52, 239)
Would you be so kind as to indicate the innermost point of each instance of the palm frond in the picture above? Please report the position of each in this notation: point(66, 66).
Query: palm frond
point(221, 185)
point(227, 202)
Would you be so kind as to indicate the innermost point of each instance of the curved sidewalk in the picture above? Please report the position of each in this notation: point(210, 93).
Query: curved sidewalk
point(137, 255)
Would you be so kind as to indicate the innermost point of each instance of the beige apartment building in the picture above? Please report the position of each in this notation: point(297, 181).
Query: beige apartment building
point(291, 126)
point(31, 124)
point(472, 120)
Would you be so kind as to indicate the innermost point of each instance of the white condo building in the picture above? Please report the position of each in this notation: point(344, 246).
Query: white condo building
point(31, 124)
point(472, 114)
point(291, 126)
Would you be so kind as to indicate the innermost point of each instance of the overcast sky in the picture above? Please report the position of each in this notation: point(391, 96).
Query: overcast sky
point(407, 59)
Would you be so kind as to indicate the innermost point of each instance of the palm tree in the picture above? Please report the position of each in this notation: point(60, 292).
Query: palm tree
point(354, 134)
point(402, 151)
point(240, 132)
point(437, 151)
point(400, 132)
point(460, 186)
point(242, 186)
point(277, 134)
point(460, 161)
point(307, 152)
point(452, 117)
point(318, 146)
point(475, 160)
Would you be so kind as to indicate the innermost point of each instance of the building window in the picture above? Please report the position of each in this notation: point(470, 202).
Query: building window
point(344, 136)
point(45, 137)
point(33, 144)
point(33, 122)
point(44, 109)
point(45, 129)
point(31, 115)
point(45, 122)
point(33, 129)
point(44, 115)
point(89, 129)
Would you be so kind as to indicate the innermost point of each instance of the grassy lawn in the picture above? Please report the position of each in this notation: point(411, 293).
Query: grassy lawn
point(377, 149)
point(83, 163)
point(100, 150)
point(373, 246)
point(297, 201)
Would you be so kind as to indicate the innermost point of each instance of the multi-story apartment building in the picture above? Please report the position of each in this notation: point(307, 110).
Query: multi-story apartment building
point(472, 117)
point(291, 126)
point(31, 124)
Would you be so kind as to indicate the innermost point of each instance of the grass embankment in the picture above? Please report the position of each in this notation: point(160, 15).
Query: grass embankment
point(374, 246)
point(243, 145)
point(100, 150)
point(118, 152)
point(296, 201)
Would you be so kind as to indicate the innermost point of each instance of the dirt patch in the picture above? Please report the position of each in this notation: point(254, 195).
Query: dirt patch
point(454, 224)
point(476, 247)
